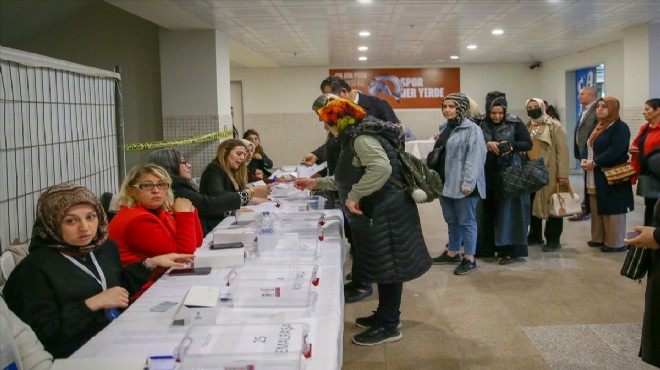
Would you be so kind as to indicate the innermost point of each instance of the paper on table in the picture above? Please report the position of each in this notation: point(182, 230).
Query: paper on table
point(202, 296)
point(304, 171)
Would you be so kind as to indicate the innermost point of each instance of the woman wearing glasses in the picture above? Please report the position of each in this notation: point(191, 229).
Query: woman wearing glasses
point(150, 221)
point(208, 206)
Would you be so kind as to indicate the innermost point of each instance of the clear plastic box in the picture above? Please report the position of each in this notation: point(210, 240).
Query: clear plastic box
point(299, 245)
point(308, 272)
point(255, 346)
point(295, 291)
point(301, 204)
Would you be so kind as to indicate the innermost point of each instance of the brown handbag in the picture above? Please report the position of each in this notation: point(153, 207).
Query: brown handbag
point(619, 173)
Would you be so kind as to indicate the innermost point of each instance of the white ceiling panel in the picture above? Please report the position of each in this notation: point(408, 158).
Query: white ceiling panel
point(419, 32)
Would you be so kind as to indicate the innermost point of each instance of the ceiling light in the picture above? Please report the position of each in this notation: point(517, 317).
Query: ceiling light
point(497, 31)
point(454, 57)
point(362, 58)
point(472, 46)
point(364, 33)
point(365, 1)
point(363, 48)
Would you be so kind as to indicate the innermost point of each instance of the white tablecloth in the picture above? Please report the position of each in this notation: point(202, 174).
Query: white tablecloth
point(140, 332)
point(420, 148)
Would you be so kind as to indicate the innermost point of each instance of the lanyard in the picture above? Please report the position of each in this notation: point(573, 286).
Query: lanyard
point(102, 282)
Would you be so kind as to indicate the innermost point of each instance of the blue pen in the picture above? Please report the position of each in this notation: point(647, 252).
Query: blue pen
point(112, 313)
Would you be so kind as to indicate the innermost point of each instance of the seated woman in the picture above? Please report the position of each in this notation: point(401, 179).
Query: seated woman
point(71, 284)
point(144, 226)
point(260, 160)
point(208, 206)
point(254, 174)
point(228, 173)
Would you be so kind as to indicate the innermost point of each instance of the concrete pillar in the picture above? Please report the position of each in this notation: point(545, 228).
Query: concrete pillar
point(636, 51)
point(195, 90)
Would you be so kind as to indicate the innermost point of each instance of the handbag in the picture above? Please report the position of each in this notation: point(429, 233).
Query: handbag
point(564, 204)
point(636, 263)
point(528, 177)
point(620, 173)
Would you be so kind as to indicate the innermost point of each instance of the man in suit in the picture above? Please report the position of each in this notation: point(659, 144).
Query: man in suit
point(586, 123)
point(354, 291)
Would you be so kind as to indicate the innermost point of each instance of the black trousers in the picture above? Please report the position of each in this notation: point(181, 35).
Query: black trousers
point(649, 204)
point(554, 226)
point(389, 303)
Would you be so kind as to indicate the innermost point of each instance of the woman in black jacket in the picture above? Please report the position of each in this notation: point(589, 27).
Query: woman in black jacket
point(260, 160)
point(72, 283)
point(212, 208)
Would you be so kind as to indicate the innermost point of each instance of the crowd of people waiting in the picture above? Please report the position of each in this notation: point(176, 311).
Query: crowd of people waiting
point(83, 270)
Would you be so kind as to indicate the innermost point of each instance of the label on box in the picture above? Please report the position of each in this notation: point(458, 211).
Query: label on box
point(271, 292)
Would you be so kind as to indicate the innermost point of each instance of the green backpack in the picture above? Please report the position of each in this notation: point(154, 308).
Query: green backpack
point(422, 183)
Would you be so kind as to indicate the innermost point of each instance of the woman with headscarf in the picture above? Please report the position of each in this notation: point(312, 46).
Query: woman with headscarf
point(260, 160)
point(550, 143)
point(607, 146)
point(389, 247)
point(72, 283)
point(208, 206)
point(503, 222)
point(462, 173)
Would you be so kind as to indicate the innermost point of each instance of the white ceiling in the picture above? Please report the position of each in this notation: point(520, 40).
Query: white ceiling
point(298, 33)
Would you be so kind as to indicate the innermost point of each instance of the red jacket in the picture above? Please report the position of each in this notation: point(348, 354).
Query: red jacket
point(652, 141)
point(141, 233)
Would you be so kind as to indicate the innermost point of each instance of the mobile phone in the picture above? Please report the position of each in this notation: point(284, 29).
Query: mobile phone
point(226, 246)
point(504, 147)
point(191, 271)
point(632, 234)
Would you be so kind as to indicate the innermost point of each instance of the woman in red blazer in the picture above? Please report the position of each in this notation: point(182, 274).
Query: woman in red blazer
point(150, 221)
point(646, 141)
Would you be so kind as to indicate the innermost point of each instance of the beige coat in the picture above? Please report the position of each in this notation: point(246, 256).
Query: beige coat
point(554, 150)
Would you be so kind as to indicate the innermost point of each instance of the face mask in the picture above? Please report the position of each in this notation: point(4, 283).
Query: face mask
point(535, 113)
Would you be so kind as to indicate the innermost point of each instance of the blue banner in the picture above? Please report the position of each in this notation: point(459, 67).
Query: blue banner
point(583, 77)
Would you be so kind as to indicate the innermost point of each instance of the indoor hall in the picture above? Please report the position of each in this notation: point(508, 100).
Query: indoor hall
point(267, 58)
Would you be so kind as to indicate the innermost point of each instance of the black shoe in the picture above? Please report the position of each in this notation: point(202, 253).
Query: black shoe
point(594, 244)
point(605, 249)
point(465, 267)
point(506, 260)
point(534, 241)
point(444, 259)
point(377, 335)
point(353, 294)
point(551, 247)
point(369, 322)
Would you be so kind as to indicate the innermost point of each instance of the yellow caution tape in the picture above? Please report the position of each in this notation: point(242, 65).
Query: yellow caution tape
point(174, 142)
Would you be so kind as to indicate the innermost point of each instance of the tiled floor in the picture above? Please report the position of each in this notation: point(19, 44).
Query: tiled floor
point(565, 310)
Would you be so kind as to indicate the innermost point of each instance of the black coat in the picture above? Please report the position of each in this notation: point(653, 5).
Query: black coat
point(264, 164)
point(215, 182)
point(611, 149)
point(47, 292)
point(388, 242)
point(649, 350)
point(208, 206)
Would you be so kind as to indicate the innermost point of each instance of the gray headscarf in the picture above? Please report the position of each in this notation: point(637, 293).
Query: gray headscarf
point(462, 107)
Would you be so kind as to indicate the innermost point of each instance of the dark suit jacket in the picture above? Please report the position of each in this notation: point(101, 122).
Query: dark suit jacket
point(582, 131)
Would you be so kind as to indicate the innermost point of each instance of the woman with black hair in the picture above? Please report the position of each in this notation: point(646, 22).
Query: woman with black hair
point(646, 141)
point(260, 160)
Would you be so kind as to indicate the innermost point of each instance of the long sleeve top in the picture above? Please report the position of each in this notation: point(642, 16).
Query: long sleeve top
point(141, 233)
point(48, 292)
point(209, 206)
point(370, 154)
point(19, 345)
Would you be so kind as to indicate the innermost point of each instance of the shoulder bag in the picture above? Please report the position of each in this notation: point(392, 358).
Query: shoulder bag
point(527, 177)
point(564, 204)
point(620, 173)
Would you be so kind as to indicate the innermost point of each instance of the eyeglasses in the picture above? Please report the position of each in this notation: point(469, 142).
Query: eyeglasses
point(184, 162)
point(150, 186)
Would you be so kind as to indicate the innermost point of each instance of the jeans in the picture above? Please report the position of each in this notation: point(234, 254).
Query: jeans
point(389, 303)
point(460, 215)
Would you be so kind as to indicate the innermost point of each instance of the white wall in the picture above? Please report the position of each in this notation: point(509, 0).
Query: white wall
point(636, 58)
point(654, 60)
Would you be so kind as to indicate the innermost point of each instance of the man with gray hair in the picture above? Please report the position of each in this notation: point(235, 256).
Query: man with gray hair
point(586, 122)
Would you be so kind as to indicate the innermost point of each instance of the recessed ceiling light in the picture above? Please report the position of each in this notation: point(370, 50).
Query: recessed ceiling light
point(363, 48)
point(362, 58)
point(365, 1)
point(454, 57)
point(472, 46)
point(438, 60)
point(497, 31)
point(364, 33)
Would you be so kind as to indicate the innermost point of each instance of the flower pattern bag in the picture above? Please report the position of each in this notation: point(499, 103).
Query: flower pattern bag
point(619, 173)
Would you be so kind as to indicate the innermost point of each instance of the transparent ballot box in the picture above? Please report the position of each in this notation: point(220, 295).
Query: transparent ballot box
point(300, 204)
point(307, 272)
point(268, 286)
point(289, 246)
point(250, 346)
point(300, 220)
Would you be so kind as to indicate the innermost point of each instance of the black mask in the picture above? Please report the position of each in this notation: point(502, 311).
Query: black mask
point(535, 113)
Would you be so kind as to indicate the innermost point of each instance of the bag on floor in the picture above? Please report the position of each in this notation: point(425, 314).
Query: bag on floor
point(525, 178)
point(636, 263)
point(564, 204)
point(619, 173)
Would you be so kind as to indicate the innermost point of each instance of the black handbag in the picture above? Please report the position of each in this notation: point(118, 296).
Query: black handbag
point(527, 177)
point(636, 263)
point(433, 158)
